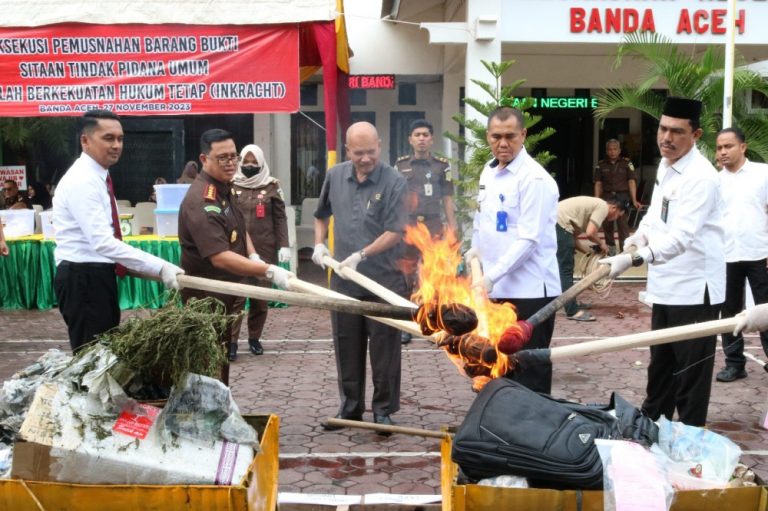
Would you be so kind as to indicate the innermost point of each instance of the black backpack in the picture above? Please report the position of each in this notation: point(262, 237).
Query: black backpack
point(512, 430)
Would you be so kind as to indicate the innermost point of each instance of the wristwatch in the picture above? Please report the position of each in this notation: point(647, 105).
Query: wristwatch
point(363, 255)
point(637, 260)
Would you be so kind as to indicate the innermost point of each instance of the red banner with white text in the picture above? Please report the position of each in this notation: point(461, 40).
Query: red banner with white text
point(65, 69)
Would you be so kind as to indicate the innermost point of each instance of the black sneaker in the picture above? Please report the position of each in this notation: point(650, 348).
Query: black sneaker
point(730, 373)
point(255, 346)
point(405, 338)
point(384, 420)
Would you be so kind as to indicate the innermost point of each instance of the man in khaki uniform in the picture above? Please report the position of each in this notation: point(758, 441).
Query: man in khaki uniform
point(429, 198)
point(615, 178)
point(214, 242)
point(576, 216)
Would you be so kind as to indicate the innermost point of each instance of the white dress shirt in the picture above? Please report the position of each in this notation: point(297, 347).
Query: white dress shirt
point(82, 218)
point(745, 212)
point(521, 261)
point(685, 252)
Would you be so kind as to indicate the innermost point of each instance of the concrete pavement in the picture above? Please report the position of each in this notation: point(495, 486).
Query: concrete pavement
point(296, 379)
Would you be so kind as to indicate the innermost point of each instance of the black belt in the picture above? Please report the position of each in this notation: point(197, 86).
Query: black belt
point(94, 266)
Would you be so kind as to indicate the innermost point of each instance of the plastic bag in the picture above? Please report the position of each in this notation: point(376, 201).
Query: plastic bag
point(698, 458)
point(504, 482)
point(203, 410)
point(633, 478)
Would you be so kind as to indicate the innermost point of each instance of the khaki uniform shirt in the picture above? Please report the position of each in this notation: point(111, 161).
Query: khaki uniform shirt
point(615, 176)
point(575, 214)
point(210, 223)
point(429, 181)
point(265, 219)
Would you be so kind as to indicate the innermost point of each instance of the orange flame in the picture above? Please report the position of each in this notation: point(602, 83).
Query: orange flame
point(440, 285)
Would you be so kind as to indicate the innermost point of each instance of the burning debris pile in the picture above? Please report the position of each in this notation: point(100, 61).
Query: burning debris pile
point(481, 354)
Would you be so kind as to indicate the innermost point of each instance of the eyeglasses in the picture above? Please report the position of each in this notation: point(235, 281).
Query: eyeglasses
point(223, 160)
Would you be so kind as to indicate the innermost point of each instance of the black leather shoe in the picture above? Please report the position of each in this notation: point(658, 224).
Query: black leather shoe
point(232, 351)
point(731, 373)
point(256, 347)
point(405, 338)
point(385, 420)
point(333, 427)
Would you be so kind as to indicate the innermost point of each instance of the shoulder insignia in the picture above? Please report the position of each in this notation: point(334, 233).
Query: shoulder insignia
point(631, 167)
point(405, 170)
point(209, 194)
point(403, 158)
point(212, 209)
point(442, 159)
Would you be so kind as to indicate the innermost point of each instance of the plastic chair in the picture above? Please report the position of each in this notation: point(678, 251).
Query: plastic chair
point(144, 218)
point(38, 224)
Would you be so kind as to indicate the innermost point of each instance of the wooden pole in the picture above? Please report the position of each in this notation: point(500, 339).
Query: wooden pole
point(367, 283)
point(476, 270)
point(643, 339)
point(337, 303)
point(386, 428)
point(307, 287)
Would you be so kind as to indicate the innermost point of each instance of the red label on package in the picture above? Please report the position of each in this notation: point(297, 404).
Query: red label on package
point(135, 420)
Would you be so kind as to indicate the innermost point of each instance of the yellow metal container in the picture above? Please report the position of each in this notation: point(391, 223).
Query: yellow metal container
point(256, 492)
point(472, 497)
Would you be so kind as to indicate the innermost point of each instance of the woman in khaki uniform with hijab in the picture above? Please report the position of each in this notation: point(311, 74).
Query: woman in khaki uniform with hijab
point(260, 199)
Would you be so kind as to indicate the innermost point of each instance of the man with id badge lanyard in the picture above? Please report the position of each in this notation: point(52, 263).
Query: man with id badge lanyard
point(682, 240)
point(514, 235)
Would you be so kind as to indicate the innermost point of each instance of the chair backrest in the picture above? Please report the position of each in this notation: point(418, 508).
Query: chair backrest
point(38, 224)
point(144, 217)
point(308, 207)
point(123, 203)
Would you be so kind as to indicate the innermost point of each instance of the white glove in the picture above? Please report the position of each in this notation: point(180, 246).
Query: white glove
point(638, 240)
point(317, 256)
point(471, 254)
point(754, 319)
point(619, 264)
point(350, 262)
point(279, 276)
point(168, 275)
point(486, 284)
point(255, 257)
point(284, 255)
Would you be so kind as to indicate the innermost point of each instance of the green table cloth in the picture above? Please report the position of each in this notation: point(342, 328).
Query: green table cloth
point(26, 274)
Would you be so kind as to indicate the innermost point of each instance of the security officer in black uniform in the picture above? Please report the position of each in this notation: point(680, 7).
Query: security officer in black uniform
point(615, 178)
point(214, 241)
point(430, 193)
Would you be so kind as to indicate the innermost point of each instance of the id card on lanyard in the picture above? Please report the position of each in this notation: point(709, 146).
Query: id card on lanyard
point(501, 216)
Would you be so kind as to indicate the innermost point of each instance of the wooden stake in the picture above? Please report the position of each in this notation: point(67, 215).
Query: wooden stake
point(391, 429)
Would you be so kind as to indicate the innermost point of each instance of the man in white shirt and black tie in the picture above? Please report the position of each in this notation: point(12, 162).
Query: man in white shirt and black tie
point(682, 240)
point(744, 185)
point(89, 253)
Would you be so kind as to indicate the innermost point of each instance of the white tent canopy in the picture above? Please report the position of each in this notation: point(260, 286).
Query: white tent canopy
point(29, 13)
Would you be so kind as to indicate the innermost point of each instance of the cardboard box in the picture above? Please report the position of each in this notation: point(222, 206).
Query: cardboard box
point(472, 497)
point(255, 491)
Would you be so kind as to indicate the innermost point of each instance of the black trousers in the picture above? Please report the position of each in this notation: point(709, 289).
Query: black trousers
point(680, 373)
point(88, 300)
point(735, 273)
point(535, 377)
point(353, 336)
point(566, 246)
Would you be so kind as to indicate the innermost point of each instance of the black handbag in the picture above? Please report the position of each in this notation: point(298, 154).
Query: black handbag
point(512, 430)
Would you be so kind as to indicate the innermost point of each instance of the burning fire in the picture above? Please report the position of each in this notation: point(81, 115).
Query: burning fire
point(475, 354)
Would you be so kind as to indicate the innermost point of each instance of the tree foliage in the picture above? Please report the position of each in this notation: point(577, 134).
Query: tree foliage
point(692, 76)
point(476, 144)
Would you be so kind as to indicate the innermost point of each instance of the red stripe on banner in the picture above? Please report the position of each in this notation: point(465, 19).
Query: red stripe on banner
point(62, 70)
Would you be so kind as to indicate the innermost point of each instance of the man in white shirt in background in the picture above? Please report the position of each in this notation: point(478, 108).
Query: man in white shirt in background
point(514, 234)
point(682, 240)
point(744, 186)
point(88, 255)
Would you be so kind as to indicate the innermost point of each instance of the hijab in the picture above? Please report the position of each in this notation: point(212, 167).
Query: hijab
point(259, 180)
point(189, 173)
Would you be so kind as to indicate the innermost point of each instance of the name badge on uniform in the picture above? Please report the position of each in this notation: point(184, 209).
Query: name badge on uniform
point(233, 237)
point(428, 189)
point(501, 217)
point(261, 211)
point(664, 210)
